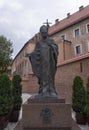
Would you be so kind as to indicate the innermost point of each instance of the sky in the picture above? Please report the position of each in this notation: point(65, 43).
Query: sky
point(20, 20)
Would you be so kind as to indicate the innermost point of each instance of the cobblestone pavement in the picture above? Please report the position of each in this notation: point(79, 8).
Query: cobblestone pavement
point(25, 96)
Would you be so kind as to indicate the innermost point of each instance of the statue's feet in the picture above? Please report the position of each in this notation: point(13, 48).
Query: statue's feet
point(48, 95)
point(53, 94)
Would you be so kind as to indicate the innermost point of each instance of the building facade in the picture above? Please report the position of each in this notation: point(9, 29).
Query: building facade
point(74, 28)
point(21, 64)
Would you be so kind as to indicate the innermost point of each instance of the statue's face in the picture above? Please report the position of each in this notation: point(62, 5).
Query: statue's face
point(44, 31)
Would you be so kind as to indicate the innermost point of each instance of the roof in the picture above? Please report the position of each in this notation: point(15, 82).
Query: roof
point(76, 17)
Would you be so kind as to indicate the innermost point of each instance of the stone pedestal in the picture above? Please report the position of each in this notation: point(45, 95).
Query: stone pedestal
point(46, 114)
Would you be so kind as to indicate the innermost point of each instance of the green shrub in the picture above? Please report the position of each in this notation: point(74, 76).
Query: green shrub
point(78, 95)
point(17, 92)
point(5, 95)
point(87, 98)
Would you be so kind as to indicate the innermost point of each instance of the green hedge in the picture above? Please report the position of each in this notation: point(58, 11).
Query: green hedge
point(78, 95)
point(6, 99)
point(17, 92)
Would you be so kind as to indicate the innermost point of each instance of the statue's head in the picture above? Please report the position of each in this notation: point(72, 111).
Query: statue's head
point(44, 31)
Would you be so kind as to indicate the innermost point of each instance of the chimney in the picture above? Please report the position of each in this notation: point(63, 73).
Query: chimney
point(68, 15)
point(80, 8)
point(56, 21)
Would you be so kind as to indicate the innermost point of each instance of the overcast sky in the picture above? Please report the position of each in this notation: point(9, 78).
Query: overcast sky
point(21, 19)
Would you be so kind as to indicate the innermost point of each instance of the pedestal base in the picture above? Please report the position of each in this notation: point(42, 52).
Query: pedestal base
point(46, 114)
point(19, 126)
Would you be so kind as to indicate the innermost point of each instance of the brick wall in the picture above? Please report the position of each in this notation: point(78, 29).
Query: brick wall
point(66, 73)
point(63, 80)
point(30, 84)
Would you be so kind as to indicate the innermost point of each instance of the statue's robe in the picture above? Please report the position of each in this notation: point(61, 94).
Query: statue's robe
point(44, 61)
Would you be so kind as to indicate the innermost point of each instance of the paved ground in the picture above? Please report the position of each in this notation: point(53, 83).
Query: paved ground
point(83, 127)
point(25, 96)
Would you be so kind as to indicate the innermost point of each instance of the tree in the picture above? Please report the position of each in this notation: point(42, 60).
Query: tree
point(17, 98)
point(78, 100)
point(78, 95)
point(17, 92)
point(6, 99)
point(5, 53)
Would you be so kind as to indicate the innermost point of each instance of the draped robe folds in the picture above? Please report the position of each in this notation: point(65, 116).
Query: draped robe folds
point(44, 60)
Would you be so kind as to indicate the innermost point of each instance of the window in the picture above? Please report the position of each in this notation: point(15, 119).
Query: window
point(76, 32)
point(87, 28)
point(63, 36)
point(78, 49)
point(81, 67)
point(88, 46)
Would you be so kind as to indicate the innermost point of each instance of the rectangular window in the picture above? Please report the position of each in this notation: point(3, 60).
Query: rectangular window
point(88, 46)
point(81, 67)
point(77, 32)
point(78, 49)
point(87, 28)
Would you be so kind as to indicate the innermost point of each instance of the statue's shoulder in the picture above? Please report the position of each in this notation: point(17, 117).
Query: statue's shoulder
point(52, 43)
point(50, 39)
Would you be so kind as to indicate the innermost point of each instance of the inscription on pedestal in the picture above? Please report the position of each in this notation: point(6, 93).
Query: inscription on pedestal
point(46, 115)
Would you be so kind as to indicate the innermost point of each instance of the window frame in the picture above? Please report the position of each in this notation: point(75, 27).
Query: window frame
point(88, 46)
point(62, 37)
point(79, 32)
point(87, 31)
point(80, 49)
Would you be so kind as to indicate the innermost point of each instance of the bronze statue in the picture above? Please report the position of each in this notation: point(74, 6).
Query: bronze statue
point(44, 63)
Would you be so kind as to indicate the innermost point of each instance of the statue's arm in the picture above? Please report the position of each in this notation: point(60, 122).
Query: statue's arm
point(35, 49)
